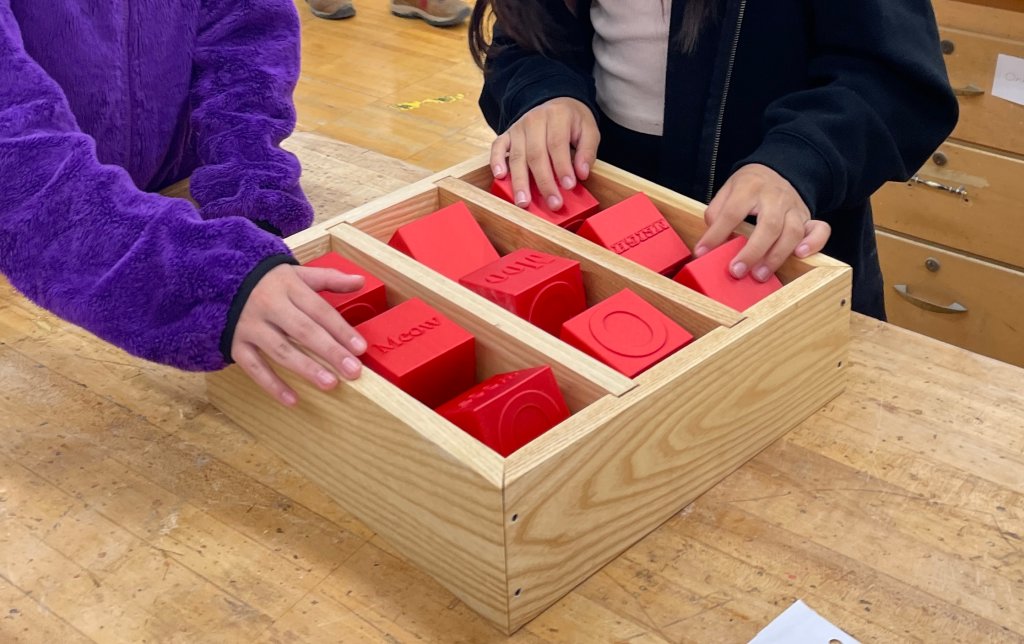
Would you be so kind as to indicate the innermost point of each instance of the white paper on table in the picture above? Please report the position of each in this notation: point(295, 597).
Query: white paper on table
point(798, 624)
point(1009, 79)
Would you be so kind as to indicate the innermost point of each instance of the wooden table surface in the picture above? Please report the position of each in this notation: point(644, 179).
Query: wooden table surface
point(132, 511)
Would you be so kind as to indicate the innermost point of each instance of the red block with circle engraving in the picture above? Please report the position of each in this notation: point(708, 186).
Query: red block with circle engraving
point(421, 351)
point(635, 229)
point(710, 275)
point(544, 289)
point(626, 333)
point(578, 203)
point(509, 410)
point(357, 306)
point(450, 241)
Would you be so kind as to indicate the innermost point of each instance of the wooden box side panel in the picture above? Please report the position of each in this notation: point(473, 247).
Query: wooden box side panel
point(398, 468)
point(660, 446)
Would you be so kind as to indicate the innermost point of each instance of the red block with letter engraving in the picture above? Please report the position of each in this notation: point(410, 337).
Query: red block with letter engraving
point(543, 289)
point(626, 333)
point(357, 306)
point(635, 229)
point(421, 351)
point(710, 275)
point(578, 203)
point(450, 241)
point(509, 410)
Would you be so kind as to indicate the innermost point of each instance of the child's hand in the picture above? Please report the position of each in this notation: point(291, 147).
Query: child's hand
point(541, 139)
point(284, 310)
point(784, 224)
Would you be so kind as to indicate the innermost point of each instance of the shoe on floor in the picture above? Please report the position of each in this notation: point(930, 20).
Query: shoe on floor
point(437, 13)
point(332, 9)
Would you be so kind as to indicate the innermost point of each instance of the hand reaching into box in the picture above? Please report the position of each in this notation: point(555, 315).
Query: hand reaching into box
point(539, 143)
point(784, 225)
point(284, 310)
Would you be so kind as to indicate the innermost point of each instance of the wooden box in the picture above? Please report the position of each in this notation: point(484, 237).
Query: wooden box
point(510, 536)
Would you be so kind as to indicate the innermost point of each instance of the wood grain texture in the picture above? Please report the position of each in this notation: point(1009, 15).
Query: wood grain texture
point(429, 489)
point(924, 446)
point(579, 503)
point(987, 223)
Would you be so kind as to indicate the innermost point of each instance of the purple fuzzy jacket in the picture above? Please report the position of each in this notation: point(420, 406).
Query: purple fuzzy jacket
point(103, 101)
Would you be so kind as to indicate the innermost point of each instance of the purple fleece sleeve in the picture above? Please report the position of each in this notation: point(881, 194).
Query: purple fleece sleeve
point(246, 67)
point(141, 271)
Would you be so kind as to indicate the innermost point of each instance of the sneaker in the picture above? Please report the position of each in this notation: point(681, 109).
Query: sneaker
point(437, 13)
point(332, 9)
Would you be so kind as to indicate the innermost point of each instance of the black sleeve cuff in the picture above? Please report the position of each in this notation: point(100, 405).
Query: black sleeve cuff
point(242, 296)
point(270, 228)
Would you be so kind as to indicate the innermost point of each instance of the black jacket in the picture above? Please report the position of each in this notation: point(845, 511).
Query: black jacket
point(837, 96)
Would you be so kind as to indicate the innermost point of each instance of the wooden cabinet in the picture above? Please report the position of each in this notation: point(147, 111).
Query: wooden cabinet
point(951, 240)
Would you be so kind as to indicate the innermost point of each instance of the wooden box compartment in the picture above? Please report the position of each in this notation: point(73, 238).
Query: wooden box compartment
point(510, 536)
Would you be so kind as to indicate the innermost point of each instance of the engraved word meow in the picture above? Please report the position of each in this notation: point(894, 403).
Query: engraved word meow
point(408, 336)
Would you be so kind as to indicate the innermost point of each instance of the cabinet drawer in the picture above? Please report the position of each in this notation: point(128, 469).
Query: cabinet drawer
point(993, 322)
point(986, 219)
point(984, 119)
point(1005, 22)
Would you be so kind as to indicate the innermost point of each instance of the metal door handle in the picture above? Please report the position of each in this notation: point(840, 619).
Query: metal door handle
point(904, 292)
point(960, 191)
point(969, 89)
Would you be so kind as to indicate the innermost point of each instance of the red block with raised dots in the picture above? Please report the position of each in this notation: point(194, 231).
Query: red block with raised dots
point(357, 306)
point(543, 289)
point(450, 241)
point(635, 229)
point(626, 333)
point(509, 410)
point(421, 351)
point(578, 203)
point(710, 275)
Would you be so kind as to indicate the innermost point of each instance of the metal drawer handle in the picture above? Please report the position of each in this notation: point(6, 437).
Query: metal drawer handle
point(955, 307)
point(969, 90)
point(960, 191)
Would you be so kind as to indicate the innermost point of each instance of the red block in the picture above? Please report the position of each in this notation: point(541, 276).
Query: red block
point(449, 241)
point(358, 306)
point(509, 410)
point(424, 353)
point(578, 203)
point(636, 230)
point(626, 333)
point(710, 275)
point(543, 289)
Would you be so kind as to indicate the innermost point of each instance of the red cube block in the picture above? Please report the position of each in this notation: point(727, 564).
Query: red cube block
point(358, 306)
point(450, 241)
point(710, 275)
point(509, 410)
point(578, 203)
point(543, 289)
point(626, 333)
point(421, 351)
point(635, 229)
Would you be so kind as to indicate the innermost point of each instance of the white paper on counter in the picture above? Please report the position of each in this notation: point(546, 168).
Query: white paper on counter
point(1009, 80)
point(798, 624)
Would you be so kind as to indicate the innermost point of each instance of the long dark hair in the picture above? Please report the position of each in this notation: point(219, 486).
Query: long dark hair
point(527, 23)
